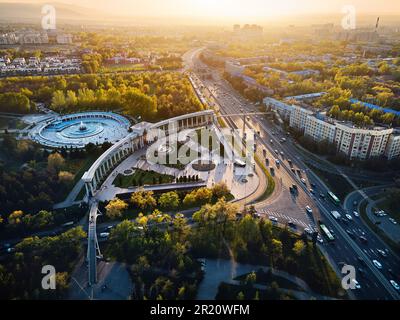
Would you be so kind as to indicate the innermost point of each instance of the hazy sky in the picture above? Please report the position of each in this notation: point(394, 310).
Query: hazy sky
point(231, 8)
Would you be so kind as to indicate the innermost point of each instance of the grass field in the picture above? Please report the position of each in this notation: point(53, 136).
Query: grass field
point(140, 177)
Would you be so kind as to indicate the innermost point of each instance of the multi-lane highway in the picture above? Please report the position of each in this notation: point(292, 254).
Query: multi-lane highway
point(348, 248)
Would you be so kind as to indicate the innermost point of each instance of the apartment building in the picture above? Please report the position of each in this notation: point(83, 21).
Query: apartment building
point(282, 108)
point(353, 142)
point(319, 129)
point(357, 143)
point(298, 118)
point(393, 147)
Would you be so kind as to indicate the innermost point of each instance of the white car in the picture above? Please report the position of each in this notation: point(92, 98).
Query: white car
point(392, 221)
point(395, 285)
point(349, 217)
point(383, 253)
point(308, 231)
point(356, 284)
point(273, 219)
point(377, 264)
point(309, 210)
point(356, 214)
point(319, 239)
point(104, 235)
point(303, 180)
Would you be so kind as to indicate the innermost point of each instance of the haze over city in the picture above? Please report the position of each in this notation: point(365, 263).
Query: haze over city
point(225, 11)
point(227, 150)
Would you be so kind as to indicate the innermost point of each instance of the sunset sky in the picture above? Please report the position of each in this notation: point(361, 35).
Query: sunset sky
point(230, 9)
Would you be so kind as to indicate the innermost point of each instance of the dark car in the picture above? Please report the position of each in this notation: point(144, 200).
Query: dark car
point(360, 260)
point(363, 239)
point(351, 234)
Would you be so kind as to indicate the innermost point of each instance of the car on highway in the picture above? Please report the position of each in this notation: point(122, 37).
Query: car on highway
point(383, 253)
point(104, 235)
point(349, 217)
point(377, 264)
point(282, 154)
point(309, 210)
point(356, 214)
point(312, 191)
point(363, 239)
point(351, 234)
point(336, 215)
point(273, 219)
point(276, 151)
point(10, 250)
point(303, 181)
point(395, 285)
point(356, 284)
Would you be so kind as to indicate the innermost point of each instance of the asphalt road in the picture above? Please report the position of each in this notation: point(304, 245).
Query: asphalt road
point(375, 283)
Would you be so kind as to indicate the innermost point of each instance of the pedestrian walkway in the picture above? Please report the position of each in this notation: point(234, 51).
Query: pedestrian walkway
point(284, 217)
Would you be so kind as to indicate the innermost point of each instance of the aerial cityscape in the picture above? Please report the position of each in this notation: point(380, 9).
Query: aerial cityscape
point(200, 150)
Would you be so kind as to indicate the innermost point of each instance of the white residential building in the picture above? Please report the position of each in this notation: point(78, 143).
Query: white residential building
point(353, 142)
point(282, 108)
point(393, 147)
point(298, 118)
point(362, 144)
point(319, 129)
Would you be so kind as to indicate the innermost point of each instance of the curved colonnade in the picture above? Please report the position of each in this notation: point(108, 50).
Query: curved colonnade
point(141, 136)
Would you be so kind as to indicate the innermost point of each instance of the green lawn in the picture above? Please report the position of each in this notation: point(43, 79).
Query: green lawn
point(140, 177)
